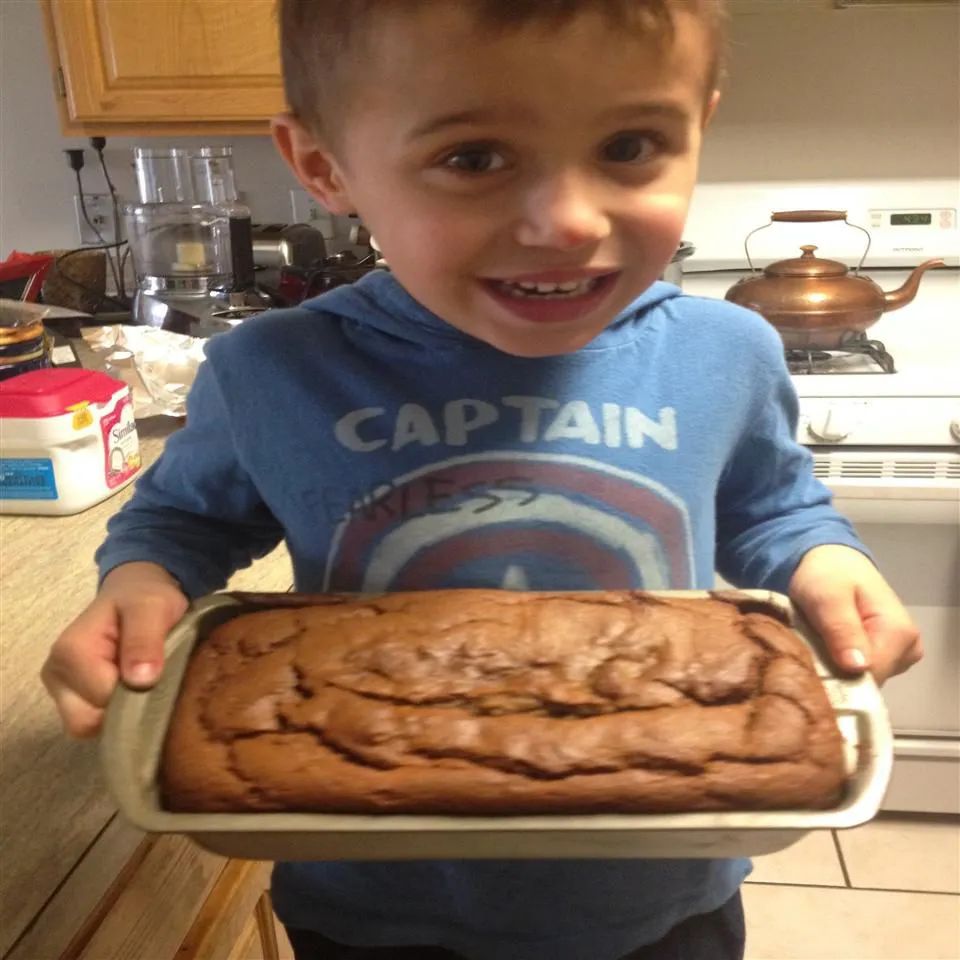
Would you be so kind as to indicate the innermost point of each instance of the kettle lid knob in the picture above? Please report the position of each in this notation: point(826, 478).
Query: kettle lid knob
point(808, 266)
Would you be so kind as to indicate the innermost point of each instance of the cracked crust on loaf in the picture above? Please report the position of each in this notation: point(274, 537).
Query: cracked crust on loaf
point(502, 702)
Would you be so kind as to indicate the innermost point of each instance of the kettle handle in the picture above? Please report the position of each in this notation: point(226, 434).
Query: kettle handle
point(808, 216)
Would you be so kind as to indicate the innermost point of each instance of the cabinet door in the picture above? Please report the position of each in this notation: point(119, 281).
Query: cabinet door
point(156, 62)
point(157, 905)
point(221, 930)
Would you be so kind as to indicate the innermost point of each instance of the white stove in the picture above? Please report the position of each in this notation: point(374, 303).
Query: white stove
point(887, 444)
point(918, 404)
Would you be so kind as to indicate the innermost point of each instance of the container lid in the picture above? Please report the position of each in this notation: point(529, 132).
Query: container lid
point(52, 392)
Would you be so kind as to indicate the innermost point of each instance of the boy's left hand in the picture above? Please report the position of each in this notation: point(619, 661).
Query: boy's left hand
point(860, 618)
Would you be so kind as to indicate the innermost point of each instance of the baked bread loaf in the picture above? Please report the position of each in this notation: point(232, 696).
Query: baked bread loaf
point(503, 702)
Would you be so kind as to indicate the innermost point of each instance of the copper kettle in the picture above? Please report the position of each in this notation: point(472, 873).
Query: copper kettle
point(816, 303)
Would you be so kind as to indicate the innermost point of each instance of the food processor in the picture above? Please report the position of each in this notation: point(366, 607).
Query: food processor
point(190, 239)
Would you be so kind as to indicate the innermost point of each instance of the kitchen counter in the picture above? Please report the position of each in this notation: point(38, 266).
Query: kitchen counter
point(58, 824)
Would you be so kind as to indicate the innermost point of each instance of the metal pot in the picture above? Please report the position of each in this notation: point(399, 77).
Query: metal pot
point(673, 273)
point(816, 303)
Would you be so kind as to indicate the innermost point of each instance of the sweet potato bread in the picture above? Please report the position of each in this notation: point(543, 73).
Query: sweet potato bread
point(502, 702)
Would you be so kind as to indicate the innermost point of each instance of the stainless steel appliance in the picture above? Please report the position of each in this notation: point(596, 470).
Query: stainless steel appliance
point(191, 242)
point(673, 273)
point(883, 425)
point(277, 245)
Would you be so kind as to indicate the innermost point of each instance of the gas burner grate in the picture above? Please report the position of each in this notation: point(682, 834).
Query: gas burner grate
point(843, 358)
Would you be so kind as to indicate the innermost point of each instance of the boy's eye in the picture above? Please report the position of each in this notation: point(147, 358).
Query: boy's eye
point(632, 148)
point(478, 159)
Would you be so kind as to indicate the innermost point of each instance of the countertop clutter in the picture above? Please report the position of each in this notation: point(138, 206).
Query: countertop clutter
point(77, 881)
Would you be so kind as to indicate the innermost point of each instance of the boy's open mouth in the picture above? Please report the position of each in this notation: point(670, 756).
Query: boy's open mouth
point(551, 299)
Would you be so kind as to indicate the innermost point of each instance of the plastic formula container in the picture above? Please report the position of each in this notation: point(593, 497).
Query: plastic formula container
point(68, 440)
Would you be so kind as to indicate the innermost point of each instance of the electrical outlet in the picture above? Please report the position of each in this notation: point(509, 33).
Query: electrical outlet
point(100, 211)
point(307, 210)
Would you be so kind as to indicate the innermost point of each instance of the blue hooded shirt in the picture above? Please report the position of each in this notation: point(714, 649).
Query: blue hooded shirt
point(392, 451)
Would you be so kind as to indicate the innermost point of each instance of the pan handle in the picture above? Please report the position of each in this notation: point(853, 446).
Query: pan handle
point(808, 216)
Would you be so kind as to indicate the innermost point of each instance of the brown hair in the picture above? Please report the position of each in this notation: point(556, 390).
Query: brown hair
point(317, 37)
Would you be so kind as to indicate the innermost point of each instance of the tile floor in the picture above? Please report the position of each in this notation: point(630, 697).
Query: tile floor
point(887, 891)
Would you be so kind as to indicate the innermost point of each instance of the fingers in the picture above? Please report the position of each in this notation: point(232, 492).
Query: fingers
point(836, 619)
point(886, 642)
point(144, 625)
point(80, 672)
point(82, 660)
point(894, 638)
point(148, 602)
point(824, 587)
point(80, 719)
point(896, 644)
point(858, 614)
point(122, 630)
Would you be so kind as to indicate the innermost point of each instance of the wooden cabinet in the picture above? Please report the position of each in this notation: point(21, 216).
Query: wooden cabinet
point(169, 900)
point(165, 66)
point(236, 922)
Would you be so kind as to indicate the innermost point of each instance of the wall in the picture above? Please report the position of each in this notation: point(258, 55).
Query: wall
point(818, 93)
point(813, 93)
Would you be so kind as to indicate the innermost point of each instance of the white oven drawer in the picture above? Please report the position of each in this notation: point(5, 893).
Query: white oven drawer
point(899, 507)
point(926, 777)
point(912, 528)
point(905, 506)
point(895, 486)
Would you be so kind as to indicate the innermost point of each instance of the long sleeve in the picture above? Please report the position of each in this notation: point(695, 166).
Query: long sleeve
point(196, 512)
point(771, 509)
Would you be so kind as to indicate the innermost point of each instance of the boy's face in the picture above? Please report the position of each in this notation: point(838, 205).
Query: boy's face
point(491, 168)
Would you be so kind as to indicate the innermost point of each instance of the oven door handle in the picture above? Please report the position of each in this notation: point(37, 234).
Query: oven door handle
point(927, 748)
point(890, 505)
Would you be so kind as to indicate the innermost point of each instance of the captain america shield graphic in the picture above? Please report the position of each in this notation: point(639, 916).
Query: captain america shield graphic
point(517, 521)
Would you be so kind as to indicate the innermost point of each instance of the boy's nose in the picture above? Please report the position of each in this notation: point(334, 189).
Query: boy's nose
point(561, 214)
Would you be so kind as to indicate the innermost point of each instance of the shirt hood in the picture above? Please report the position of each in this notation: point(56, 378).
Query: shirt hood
point(378, 301)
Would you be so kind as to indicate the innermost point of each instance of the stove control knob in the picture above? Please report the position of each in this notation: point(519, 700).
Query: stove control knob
point(955, 429)
point(831, 426)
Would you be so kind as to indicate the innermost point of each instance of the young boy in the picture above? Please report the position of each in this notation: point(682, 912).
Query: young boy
point(518, 404)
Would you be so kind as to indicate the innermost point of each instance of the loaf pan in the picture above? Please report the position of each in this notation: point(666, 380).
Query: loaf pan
point(136, 723)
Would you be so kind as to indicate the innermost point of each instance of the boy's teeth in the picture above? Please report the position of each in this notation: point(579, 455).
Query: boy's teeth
point(569, 288)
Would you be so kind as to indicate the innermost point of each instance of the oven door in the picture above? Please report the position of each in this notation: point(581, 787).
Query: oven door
point(906, 508)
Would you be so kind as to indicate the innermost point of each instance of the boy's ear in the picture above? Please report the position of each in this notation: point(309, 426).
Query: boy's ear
point(312, 164)
point(710, 109)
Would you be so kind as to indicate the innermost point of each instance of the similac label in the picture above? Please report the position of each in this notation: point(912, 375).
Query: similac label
point(27, 479)
point(121, 444)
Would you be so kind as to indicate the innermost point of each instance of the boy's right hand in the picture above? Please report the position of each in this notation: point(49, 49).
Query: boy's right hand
point(120, 634)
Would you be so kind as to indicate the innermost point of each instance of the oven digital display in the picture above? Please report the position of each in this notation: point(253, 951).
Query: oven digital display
point(911, 219)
